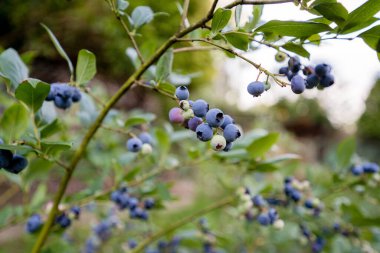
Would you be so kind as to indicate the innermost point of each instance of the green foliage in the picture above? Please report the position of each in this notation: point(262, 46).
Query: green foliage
point(86, 67)
point(33, 93)
point(293, 28)
point(12, 68)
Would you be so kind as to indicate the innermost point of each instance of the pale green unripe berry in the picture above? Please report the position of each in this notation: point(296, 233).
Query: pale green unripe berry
point(218, 142)
point(188, 114)
point(146, 149)
point(245, 198)
point(248, 205)
point(240, 191)
point(184, 105)
point(316, 202)
point(280, 56)
point(279, 224)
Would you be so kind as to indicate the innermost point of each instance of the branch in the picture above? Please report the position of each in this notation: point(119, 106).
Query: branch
point(256, 2)
point(224, 202)
point(190, 49)
point(184, 21)
point(132, 38)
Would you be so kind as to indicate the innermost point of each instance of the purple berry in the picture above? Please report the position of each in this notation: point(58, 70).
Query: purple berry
point(228, 147)
point(175, 115)
point(258, 201)
point(309, 204)
point(357, 170)
point(5, 158)
point(283, 70)
point(297, 84)
point(34, 223)
point(63, 220)
point(256, 88)
point(17, 164)
point(273, 215)
point(193, 123)
point(294, 64)
point(263, 219)
point(370, 168)
point(149, 203)
point(227, 120)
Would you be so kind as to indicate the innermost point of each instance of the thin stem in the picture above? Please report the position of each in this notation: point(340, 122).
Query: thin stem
point(184, 21)
point(224, 202)
point(142, 84)
point(256, 2)
point(132, 38)
point(191, 49)
point(93, 96)
point(116, 130)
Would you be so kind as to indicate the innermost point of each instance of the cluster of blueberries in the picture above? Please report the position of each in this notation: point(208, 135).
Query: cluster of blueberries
point(209, 238)
point(137, 209)
point(63, 95)
point(208, 124)
point(141, 143)
point(317, 243)
point(256, 207)
point(365, 168)
point(63, 220)
point(320, 76)
point(10, 162)
point(161, 247)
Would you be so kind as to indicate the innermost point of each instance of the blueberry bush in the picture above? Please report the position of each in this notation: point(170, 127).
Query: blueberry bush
point(271, 199)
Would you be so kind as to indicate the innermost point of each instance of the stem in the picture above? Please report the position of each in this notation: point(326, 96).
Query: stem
point(184, 22)
point(224, 202)
point(190, 49)
point(132, 38)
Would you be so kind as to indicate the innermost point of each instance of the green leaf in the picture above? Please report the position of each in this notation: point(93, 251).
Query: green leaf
point(164, 65)
point(86, 67)
point(59, 48)
point(15, 148)
point(295, 48)
point(12, 67)
point(359, 26)
point(293, 28)
point(220, 20)
point(141, 15)
point(14, 122)
point(135, 121)
point(333, 11)
point(238, 10)
point(345, 151)
point(37, 170)
point(257, 11)
point(167, 87)
point(38, 197)
point(54, 127)
point(372, 37)
point(54, 148)
point(362, 14)
point(238, 40)
point(132, 174)
point(262, 145)
point(163, 139)
point(33, 93)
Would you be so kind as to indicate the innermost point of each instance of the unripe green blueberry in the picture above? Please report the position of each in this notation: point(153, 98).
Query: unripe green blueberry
point(279, 224)
point(316, 202)
point(280, 56)
point(184, 105)
point(188, 114)
point(218, 142)
point(146, 149)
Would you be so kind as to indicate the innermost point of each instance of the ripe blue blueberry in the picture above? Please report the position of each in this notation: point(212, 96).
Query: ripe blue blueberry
point(76, 95)
point(263, 219)
point(123, 201)
point(357, 170)
point(175, 115)
point(132, 244)
point(228, 147)
point(294, 64)
point(283, 70)
point(146, 138)
point(227, 120)
point(258, 201)
point(309, 204)
point(308, 70)
point(17, 164)
point(134, 144)
point(327, 80)
point(103, 230)
point(290, 75)
point(322, 70)
point(215, 117)
point(182, 93)
point(133, 203)
point(200, 108)
point(34, 223)
point(370, 168)
point(204, 132)
point(115, 196)
point(193, 123)
point(62, 102)
point(231, 132)
point(297, 84)
point(312, 81)
point(295, 195)
point(318, 245)
point(256, 88)
point(63, 220)
point(76, 211)
point(5, 158)
point(273, 215)
point(149, 203)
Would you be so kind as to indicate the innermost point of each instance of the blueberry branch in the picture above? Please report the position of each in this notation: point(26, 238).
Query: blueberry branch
point(184, 21)
point(191, 49)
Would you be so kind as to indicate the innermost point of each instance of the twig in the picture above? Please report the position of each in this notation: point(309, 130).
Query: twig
point(142, 84)
point(191, 49)
point(184, 22)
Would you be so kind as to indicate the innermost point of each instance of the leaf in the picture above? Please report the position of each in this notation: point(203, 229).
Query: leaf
point(372, 37)
point(33, 93)
point(37, 169)
point(359, 26)
point(51, 129)
point(164, 65)
point(54, 148)
point(163, 139)
point(38, 197)
point(167, 87)
point(59, 48)
point(220, 20)
point(257, 11)
point(14, 122)
point(297, 29)
point(238, 10)
point(141, 15)
point(86, 67)
point(363, 13)
point(262, 145)
point(12, 67)
point(345, 151)
point(135, 121)
point(131, 174)
point(238, 40)
point(15, 148)
point(295, 48)
point(333, 11)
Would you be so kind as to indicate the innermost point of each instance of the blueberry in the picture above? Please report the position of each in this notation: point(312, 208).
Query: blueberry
point(357, 170)
point(228, 147)
point(34, 223)
point(134, 144)
point(294, 64)
point(297, 84)
point(218, 142)
point(258, 201)
point(273, 215)
point(116, 196)
point(327, 80)
point(295, 195)
point(309, 204)
point(305, 231)
point(146, 138)
point(263, 219)
point(288, 189)
point(17, 164)
point(149, 203)
point(370, 168)
point(133, 203)
point(62, 102)
point(175, 115)
point(227, 120)
point(52, 93)
point(124, 201)
point(318, 245)
point(308, 70)
point(200, 108)
point(76, 211)
point(322, 70)
point(231, 132)
point(312, 81)
point(204, 132)
point(138, 213)
point(290, 75)
point(283, 70)
point(256, 88)
point(288, 180)
point(182, 93)
point(5, 158)
point(63, 220)
point(193, 123)
point(103, 230)
point(215, 117)
point(132, 244)
point(76, 95)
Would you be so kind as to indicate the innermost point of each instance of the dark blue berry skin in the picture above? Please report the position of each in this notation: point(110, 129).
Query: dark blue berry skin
point(322, 70)
point(312, 81)
point(295, 195)
point(290, 75)
point(297, 84)
point(34, 223)
point(63, 220)
point(76, 96)
point(294, 64)
point(228, 147)
point(115, 196)
point(146, 138)
point(274, 201)
point(138, 213)
point(318, 245)
point(227, 120)
point(273, 215)
point(90, 245)
point(327, 80)
point(191, 102)
point(124, 201)
point(134, 144)
point(357, 170)
point(305, 231)
point(231, 132)
point(133, 203)
point(256, 88)
point(204, 132)
point(215, 117)
point(17, 164)
point(182, 93)
point(5, 158)
point(308, 204)
point(103, 230)
point(288, 189)
point(288, 180)
point(63, 95)
point(263, 219)
point(258, 201)
point(283, 70)
point(370, 168)
point(200, 108)
point(62, 103)
point(193, 123)
point(76, 211)
point(336, 227)
point(149, 203)
point(132, 244)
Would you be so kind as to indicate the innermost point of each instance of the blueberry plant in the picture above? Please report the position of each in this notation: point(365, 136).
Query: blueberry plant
point(70, 129)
